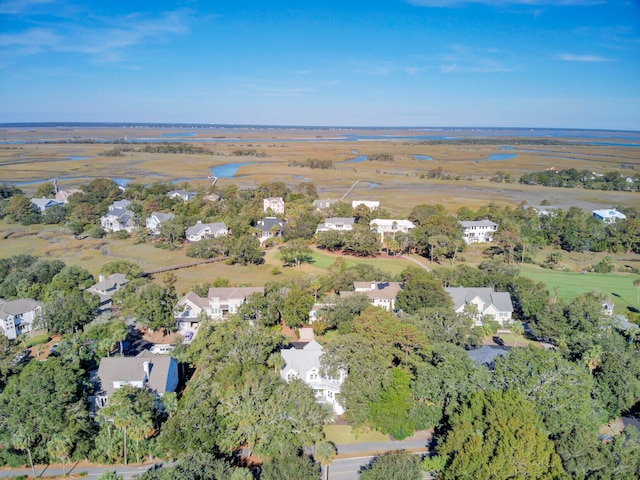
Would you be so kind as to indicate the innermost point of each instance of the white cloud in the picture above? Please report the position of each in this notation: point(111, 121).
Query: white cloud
point(570, 57)
point(15, 7)
point(466, 59)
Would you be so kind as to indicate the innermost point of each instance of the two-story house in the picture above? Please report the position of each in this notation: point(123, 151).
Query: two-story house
point(158, 373)
point(478, 231)
point(156, 219)
point(200, 231)
point(17, 316)
point(107, 287)
point(118, 218)
point(482, 303)
point(269, 227)
point(182, 195)
point(273, 205)
point(380, 294)
point(340, 224)
point(390, 226)
point(302, 361)
point(220, 302)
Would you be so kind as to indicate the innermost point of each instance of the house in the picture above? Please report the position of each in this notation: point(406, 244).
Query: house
point(273, 205)
point(106, 287)
point(380, 294)
point(302, 361)
point(324, 204)
point(154, 221)
point(269, 227)
point(17, 316)
point(212, 197)
point(370, 204)
point(609, 215)
point(478, 231)
point(607, 308)
point(543, 210)
point(483, 303)
point(390, 227)
point(156, 373)
point(44, 203)
point(118, 218)
point(201, 231)
point(220, 302)
point(340, 224)
point(182, 195)
point(63, 195)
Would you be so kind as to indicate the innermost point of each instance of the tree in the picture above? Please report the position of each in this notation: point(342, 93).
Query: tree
point(71, 312)
point(291, 466)
point(151, 303)
point(498, 435)
point(22, 439)
point(19, 208)
point(325, 453)
point(295, 310)
point(60, 447)
point(517, 330)
point(245, 251)
point(295, 252)
point(394, 465)
point(420, 290)
point(636, 283)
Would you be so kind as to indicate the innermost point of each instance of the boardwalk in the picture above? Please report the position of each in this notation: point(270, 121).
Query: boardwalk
point(183, 265)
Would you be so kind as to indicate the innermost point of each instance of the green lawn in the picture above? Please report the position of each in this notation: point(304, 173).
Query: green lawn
point(617, 286)
point(344, 434)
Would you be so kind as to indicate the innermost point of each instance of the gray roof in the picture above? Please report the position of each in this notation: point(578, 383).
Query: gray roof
point(195, 299)
point(44, 203)
point(16, 307)
point(198, 228)
point(107, 287)
point(621, 323)
point(228, 293)
point(265, 224)
point(462, 295)
point(161, 216)
point(381, 290)
point(340, 220)
point(486, 355)
point(131, 369)
point(301, 359)
point(120, 204)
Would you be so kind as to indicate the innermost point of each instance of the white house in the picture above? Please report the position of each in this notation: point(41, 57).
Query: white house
point(119, 218)
point(158, 373)
point(478, 231)
point(201, 231)
point(324, 204)
point(340, 224)
point(609, 215)
point(17, 316)
point(304, 363)
point(269, 227)
point(154, 221)
point(370, 204)
point(182, 195)
point(380, 294)
point(220, 302)
point(106, 287)
point(274, 205)
point(484, 303)
point(390, 227)
point(44, 203)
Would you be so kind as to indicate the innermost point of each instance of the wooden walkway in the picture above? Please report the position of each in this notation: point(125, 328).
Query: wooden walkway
point(182, 265)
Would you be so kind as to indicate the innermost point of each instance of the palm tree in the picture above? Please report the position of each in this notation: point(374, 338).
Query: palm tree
point(22, 439)
point(518, 330)
point(276, 361)
point(592, 358)
point(325, 453)
point(60, 447)
point(141, 427)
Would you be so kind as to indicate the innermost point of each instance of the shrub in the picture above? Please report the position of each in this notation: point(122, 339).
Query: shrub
point(37, 340)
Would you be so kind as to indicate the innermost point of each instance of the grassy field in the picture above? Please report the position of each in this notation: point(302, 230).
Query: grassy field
point(617, 286)
point(344, 434)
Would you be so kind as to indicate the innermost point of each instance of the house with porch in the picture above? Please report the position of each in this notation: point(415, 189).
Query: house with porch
point(220, 303)
point(482, 303)
point(118, 218)
point(380, 294)
point(478, 231)
point(158, 373)
point(340, 224)
point(17, 316)
point(303, 361)
point(201, 231)
point(182, 195)
point(269, 227)
point(390, 226)
point(274, 205)
point(156, 219)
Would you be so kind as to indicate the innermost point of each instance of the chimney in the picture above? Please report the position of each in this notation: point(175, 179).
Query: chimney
point(147, 370)
point(374, 286)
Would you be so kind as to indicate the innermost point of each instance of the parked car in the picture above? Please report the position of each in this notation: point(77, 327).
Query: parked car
point(53, 348)
point(188, 336)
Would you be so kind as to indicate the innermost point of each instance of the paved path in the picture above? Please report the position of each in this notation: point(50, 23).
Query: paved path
point(127, 471)
point(417, 262)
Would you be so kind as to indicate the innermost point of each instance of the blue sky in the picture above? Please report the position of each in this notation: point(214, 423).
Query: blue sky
point(505, 63)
